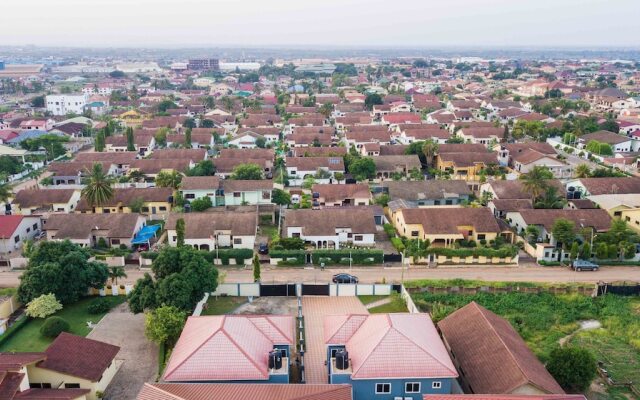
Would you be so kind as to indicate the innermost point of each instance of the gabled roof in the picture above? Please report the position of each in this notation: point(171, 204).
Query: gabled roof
point(9, 224)
point(492, 354)
point(392, 346)
point(78, 356)
point(228, 347)
point(217, 391)
point(626, 185)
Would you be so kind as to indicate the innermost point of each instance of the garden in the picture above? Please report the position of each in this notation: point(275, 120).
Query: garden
point(542, 319)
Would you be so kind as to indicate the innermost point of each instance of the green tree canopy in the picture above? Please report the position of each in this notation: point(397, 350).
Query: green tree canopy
point(246, 172)
point(564, 231)
point(164, 324)
point(280, 197)
point(202, 168)
point(363, 168)
point(168, 179)
point(98, 189)
point(573, 367)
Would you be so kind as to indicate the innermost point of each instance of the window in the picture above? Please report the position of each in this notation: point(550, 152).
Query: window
point(266, 195)
point(412, 387)
point(35, 226)
point(481, 236)
point(115, 241)
point(382, 388)
point(40, 385)
point(16, 238)
point(189, 196)
point(415, 233)
point(28, 230)
point(358, 238)
point(236, 194)
point(72, 386)
point(448, 202)
point(436, 385)
point(163, 208)
point(295, 235)
point(237, 240)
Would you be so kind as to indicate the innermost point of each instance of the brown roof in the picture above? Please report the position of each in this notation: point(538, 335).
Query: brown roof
point(469, 159)
point(78, 356)
point(121, 157)
point(179, 154)
point(462, 148)
point(512, 204)
point(514, 189)
point(333, 193)
point(42, 197)
point(393, 149)
point(10, 384)
point(319, 151)
point(200, 183)
point(199, 225)
point(432, 189)
point(309, 138)
point(390, 163)
point(313, 163)
point(231, 185)
point(73, 168)
point(482, 132)
point(605, 137)
point(15, 361)
point(447, 220)
point(247, 153)
point(591, 217)
point(149, 166)
point(493, 356)
point(222, 391)
point(625, 185)
point(139, 139)
point(226, 165)
point(80, 226)
point(324, 222)
point(368, 136)
point(126, 196)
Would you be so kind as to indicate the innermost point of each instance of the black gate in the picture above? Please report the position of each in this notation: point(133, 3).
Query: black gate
point(278, 290)
point(621, 290)
point(392, 258)
point(315, 290)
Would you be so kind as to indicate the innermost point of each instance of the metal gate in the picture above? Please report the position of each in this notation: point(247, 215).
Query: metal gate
point(622, 290)
point(315, 290)
point(278, 290)
point(392, 258)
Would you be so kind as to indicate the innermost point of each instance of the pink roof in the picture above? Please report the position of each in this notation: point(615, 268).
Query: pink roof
point(391, 346)
point(401, 118)
point(228, 347)
point(8, 225)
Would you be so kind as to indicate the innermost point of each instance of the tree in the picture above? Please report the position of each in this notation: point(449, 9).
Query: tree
point(326, 109)
point(131, 146)
point(362, 168)
point(116, 272)
point(54, 326)
point(339, 176)
point(261, 142)
point(99, 143)
point(610, 125)
point(256, 268)
point(165, 105)
point(429, 149)
point(280, 197)
point(63, 269)
point(505, 134)
point(247, 172)
point(583, 171)
point(203, 168)
point(43, 306)
point(136, 204)
point(532, 233)
point(98, 189)
point(372, 99)
point(563, 231)
point(117, 74)
point(573, 367)
point(143, 296)
point(550, 199)
point(534, 181)
point(207, 123)
point(168, 179)
point(180, 229)
point(187, 138)
point(575, 248)
point(209, 102)
point(585, 251)
point(164, 324)
point(201, 203)
point(161, 136)
point(5, 192)
point(38, 102)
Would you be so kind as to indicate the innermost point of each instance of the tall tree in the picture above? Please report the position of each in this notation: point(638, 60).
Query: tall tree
point(180, 228)
point(98, 189)
point(534, 181)
point(5, 192)
point(131, 146)
point(246, 172)
point(564, 231)
point(429, 149)
point(164, 324)
point(115, 273)
point(256, 268)
point(187, 138)
point(168, 179)
point(583, 171)
point(99, 142)
point(550, 199)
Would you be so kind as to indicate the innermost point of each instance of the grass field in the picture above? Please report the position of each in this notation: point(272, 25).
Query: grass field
point(368, 299)
point(222, 305)
point(396, 305)
point(28, 338)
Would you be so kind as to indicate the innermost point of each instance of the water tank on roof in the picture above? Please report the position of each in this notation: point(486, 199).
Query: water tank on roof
point(342, 359)
point(275, 359)
point(187, 207)
point(316, 195)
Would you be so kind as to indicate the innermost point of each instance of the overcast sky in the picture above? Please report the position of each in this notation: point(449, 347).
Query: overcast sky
point(384, 23)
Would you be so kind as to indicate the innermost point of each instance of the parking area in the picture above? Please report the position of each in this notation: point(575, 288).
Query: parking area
point(314, 309)
point(122, 328)
point(269, 305)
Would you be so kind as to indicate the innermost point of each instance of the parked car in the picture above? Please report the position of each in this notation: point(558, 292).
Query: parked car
point(344, 278)
point(263, 248)
point(584, 265)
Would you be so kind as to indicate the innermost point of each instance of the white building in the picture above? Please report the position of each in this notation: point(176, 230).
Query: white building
point(64, 104)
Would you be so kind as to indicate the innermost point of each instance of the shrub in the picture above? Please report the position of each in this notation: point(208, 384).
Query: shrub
point(358, 256)
point(43, 306)
point(398, 244)
point(149, 255)
point(239, 255)
point(289, 257)
point(99, 306)
point(53, 326)
point(201, 204)
point(389, 230)
point(506, 251)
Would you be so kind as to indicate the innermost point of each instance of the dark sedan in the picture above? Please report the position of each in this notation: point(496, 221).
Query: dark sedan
point(344, 278)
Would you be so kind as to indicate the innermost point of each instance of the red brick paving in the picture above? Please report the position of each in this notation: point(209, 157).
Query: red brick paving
point(314, 308)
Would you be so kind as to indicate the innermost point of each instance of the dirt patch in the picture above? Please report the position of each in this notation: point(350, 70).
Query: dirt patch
point(269, 305)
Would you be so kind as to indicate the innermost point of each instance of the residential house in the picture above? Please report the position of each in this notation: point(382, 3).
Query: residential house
point(504, 397)
point(327, 195)
point(387, 355)
point(211, 230)
point(14, 231)
point(299, 139)
point(426, 132)
point(502, 354)
point(64, 104)
point(513, 189)
point(152, 201)
point(401, 118)
point(299, 168)
point(387, 166)
point(38, 201)
point(445, 226)
point(228, 159)
point(193, 155)
point(523, 157)
point(464, 165)
point(71, 368)
point(150, 168)
point(360, 138)
point(72, 172)
point(619, 143)
point(271, 135)
point(197, 187)
point(429, 193)
point(233, 349)
point(246, 192)
point(485, 135)
point(143, 143)
point(132, 118)
point(225, 391)
point(331, 227)
point(89, 230)
point(247, 140)
point(588, 187)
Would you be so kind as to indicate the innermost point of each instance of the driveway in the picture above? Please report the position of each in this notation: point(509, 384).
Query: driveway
point(122, 328)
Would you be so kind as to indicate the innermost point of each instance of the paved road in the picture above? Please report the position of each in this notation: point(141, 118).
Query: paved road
point(394, 274)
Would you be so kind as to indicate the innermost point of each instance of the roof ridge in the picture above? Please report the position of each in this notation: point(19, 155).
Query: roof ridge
point(480, 308)
point(268, 319)
point(224, 317)
point(374, 347)
point(255, 364)
point(154, 387)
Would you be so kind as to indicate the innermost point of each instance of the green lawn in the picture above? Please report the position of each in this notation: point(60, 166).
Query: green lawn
point(270, 231)
point(28, 338)
point(368, 299)
point(397, 305)
point(222, 304)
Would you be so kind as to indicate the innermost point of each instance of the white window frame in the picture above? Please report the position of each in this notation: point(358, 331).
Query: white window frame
point(436, 385)
point(412, 383)
point(382, 392)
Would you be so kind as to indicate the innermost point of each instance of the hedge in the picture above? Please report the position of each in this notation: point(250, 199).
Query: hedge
point(398, 244)
point(358, 256)
point(17, 325)
point(239, 255)
point(504, 252)
point(149, 255)
point(549, 263)
point(298, 255)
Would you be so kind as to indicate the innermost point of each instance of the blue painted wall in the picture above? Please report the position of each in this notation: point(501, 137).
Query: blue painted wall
point(366, 389)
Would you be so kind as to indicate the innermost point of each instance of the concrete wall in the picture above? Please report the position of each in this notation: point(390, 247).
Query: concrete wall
point(238, 289)
point(345, 289)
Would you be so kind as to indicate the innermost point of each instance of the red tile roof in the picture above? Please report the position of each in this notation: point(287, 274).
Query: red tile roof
point(78, 356)
point(203, 391)
point(8, 225)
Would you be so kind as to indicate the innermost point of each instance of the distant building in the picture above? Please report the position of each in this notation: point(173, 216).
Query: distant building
point(204, 64)
point(66, 103)
point(1, 65)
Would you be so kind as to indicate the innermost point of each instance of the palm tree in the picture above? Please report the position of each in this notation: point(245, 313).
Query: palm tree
point(534, 181)
point(429, 148)
point(5, 192)
point(98, 189)
point(550, 199)
point(168, 179)
point(115, 273)
point(583, 171)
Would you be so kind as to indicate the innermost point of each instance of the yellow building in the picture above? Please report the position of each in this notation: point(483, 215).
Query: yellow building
point(632, 217)
point(147, 201)
point(465, 166)
point(132, 118)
